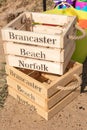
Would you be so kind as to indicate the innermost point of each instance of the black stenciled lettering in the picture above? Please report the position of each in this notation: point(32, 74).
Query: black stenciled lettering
point(45, 68)
point(43, 56)
point(20, 89)
point(32, 39)
point(12, 73)
point(32, 66)
point(49, 41)
point(22, 52)
point(36, 87)
point(39, 55)
point(23, 38)
point(21, 63)
point(35, 66)
point(11, 35)
point(17, 37)
point(40, 40)
point(45, 40)
point(38, 67)
point(22, 101)
point(20, 37)
point(36, 39)
point(54, 40)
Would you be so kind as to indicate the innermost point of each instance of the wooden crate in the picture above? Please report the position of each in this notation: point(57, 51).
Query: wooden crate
point(48, 93)
point(31, 41)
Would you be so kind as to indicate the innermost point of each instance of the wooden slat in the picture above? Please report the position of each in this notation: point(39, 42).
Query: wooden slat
point(16, 23)
point(67, 59)
point(31, 38)
point(51, 77)
point(37, 52)
point(33, 64)
point(55, 30)
point(31, 95)
point(61, 94)
point(26, 80)
point(71, 30)
point(63, 103)
point(45, 114)
point(49, 18)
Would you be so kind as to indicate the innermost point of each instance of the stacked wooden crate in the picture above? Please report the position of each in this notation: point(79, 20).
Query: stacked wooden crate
point(39, 48)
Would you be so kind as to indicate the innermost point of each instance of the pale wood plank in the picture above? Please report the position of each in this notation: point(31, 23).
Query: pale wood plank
point(26, 80)
point(37, 52)
point(71, 30)
point(45, 103)
point(33, 64)
point(67, 59)
point(45, 114)
point(48, 18)
point(63, 103)
point(32, 38)
point(31, 95)
point(16, 23)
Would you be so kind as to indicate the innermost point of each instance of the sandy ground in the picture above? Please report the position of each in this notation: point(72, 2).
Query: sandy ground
point(16, 116)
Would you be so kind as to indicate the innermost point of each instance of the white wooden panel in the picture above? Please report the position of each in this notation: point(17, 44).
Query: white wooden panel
point(49, 18)
point(34, 52)
point(37, 52)
point(28, 93)
point(68, 58)
point(27, 80)
point(45, 114)
point(15, 23)
point(32, 38)
point(55, 30)
point(39, 65)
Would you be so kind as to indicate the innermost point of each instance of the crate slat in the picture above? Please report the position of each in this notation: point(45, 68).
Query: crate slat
point(36, 52)
point(31, 95)
point(15, 23)
point(45, 114)
point(26, 80)
point(31, 38)
point(55, 30)
point(48, 18)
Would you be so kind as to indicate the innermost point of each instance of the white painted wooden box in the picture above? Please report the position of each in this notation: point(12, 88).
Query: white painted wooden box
point(39, 41)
